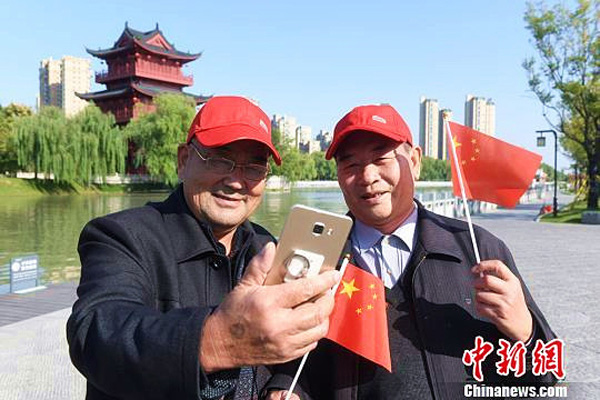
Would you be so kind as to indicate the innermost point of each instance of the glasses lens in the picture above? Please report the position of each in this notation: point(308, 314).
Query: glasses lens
point(255, 172)
point(221, 165)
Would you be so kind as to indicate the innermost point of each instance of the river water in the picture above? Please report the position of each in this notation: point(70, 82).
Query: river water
point(50, 225)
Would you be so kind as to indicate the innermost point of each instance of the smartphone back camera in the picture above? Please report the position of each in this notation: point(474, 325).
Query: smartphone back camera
point(318, 229)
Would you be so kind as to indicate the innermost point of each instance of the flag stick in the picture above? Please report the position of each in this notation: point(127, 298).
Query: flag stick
point(303, 361)
point(462, 191)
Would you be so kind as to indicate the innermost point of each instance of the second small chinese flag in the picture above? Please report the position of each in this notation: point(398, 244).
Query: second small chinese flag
point(359, 320)
point(492, 170)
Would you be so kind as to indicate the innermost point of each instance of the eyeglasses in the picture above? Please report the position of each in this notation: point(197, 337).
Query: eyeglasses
point(253, 172)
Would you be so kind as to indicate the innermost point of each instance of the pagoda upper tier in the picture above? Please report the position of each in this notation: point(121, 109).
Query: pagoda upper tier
point(144, 55)
point(141, 65)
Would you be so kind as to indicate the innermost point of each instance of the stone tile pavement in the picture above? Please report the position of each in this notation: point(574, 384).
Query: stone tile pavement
point(35, 360)
point(560, 264)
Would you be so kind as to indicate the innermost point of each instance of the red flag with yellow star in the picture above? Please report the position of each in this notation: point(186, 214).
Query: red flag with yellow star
point(492, 170)
point(359, 320)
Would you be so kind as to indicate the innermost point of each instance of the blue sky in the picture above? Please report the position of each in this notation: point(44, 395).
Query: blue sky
point(314, 60)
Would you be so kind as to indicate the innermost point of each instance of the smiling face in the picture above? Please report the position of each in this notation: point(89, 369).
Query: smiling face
point(377, 177)
point(225, 201)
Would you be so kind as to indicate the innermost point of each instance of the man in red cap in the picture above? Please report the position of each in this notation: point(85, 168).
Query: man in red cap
point(439, 301)
point(171, 299)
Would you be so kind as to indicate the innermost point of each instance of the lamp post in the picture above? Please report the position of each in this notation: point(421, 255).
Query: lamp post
point(541, 142)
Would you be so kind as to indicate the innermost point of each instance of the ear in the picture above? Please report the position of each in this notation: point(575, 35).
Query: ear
point(183, 153)
point(415, 162)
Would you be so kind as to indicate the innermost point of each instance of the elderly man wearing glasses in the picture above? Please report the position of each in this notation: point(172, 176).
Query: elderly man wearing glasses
point(171, 299)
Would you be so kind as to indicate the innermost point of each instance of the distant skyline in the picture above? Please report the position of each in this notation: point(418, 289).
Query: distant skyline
point(311, 60)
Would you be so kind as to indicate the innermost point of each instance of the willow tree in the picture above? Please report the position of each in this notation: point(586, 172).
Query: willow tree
point(156, 135)
point(565, 78)
point(78, 150)
point(40, 142)
point(100, 146)
point(8, 152)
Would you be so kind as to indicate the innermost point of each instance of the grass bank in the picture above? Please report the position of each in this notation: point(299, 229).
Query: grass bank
point(570, 214)
point(31, 187)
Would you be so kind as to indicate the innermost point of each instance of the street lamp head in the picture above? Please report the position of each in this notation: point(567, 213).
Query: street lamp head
point(541, 141)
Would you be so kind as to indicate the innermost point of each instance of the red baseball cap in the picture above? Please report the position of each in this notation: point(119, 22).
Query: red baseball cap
point(226, 119)
point(381, 119)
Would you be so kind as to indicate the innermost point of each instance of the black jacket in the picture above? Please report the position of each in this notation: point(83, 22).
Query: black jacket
point(439, 282)
point(150, 276)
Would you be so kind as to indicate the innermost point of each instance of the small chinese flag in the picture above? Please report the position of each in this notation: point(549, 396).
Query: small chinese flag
point(492, 170)
point(359, 320)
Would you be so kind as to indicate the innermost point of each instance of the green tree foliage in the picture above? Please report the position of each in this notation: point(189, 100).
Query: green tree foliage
point(282, 148)
point(74, 151)
point(157, 135)
point(297, 166)
point(433, 169)
point(565, 78)
point(326, 169)
point(8, 151)
point(41, 140)
point(102, 148)
point(549, 171)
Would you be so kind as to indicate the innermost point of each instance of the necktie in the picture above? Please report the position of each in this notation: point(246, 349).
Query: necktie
point(391, 259)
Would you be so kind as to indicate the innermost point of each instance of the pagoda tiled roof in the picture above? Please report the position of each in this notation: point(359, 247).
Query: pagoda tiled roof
point(152, 91)
point(130, 38)
point(104, 94)
point(148, 90)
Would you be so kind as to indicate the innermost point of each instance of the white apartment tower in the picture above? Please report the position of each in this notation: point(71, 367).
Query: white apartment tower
point(287, 127)
point(480, 114)
point(61, 79)
point(303, 135)
point(429, 127)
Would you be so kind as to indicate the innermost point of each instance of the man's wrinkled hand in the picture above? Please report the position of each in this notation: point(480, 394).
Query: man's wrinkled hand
point(263, 325)
point(280, 395)
point(499, 297)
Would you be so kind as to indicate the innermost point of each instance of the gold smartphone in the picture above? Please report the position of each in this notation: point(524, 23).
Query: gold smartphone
point(311, 242)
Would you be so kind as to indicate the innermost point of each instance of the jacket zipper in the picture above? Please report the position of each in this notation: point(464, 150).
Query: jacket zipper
point(426, 360)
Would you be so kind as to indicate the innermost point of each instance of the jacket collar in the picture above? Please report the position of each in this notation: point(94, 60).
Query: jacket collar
point(189, 236)
point(436, 234)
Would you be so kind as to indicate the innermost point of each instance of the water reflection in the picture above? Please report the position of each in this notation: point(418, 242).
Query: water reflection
point(50, 225)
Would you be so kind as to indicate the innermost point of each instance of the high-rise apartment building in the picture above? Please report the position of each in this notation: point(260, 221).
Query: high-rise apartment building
point(287, 127)
point(429, 127)
point(303, 135)
point(480, 114)
point(61, 79)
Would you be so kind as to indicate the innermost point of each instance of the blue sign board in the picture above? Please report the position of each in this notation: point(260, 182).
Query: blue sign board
point(24, 273)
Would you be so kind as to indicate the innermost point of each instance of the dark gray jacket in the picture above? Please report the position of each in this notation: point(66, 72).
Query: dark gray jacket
point(447, 323)
point(150, 276)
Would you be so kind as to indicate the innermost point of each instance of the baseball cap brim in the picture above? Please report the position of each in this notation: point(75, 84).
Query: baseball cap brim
point(221, 136)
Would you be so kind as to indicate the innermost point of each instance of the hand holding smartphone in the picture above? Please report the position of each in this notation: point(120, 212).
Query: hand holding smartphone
point(311, 242)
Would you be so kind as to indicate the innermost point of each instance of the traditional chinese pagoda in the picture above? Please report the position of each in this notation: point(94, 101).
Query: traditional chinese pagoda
point(141, 65)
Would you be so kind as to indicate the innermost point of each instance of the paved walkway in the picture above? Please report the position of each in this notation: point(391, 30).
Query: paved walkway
point(17, 307)
point(35, 361)
point(559, 263)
